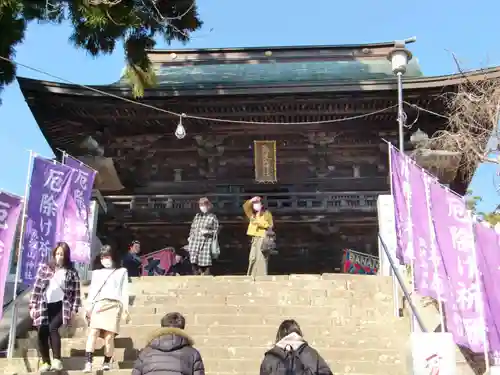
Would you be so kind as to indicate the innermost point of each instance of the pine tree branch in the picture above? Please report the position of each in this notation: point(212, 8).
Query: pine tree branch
point(99, 26)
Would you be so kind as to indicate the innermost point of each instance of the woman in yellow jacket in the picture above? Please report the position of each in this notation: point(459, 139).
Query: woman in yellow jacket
point(260, 221)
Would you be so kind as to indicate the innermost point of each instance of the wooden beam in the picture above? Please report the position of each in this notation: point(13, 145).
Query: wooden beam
point(326, 184)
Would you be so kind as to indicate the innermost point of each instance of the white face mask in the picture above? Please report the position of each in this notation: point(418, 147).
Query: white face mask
point(59, 260)
point(203, 209)
point(257, 206)
point(107, 263)
point(59, 257)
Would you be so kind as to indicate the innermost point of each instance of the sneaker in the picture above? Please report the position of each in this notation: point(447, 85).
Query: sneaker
point(56, 365)
point(106, 366)
point(88, 367)
point(44, 367)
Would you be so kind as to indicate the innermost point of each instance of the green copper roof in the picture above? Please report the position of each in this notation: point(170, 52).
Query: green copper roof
point(269, 73)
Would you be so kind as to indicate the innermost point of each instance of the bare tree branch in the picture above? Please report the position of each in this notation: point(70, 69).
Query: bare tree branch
point(473, 115)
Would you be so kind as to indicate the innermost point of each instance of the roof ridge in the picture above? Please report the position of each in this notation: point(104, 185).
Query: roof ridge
point(275, 48)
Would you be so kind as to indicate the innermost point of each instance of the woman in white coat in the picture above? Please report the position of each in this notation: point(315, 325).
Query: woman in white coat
point(107, 302)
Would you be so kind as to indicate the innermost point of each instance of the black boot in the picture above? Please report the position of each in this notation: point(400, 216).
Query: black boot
point(106, 366)
point(196, 269)
point(88, 365)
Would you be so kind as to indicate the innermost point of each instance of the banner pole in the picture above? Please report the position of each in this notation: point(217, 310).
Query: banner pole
point(432, 234)
point(481, 302)
point(13, 324)
point(67, 155)
point(395, 288)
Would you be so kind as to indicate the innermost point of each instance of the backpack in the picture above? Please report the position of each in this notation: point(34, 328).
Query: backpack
point(293, 363)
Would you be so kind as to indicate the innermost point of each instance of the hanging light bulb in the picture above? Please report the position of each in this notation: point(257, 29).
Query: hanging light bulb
point(180, 131)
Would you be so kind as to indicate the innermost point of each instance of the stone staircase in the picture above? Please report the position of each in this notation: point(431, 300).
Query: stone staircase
point(349, 319)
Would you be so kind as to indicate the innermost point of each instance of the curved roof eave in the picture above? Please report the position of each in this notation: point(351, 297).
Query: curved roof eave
point(273, 48)
point(33, 85)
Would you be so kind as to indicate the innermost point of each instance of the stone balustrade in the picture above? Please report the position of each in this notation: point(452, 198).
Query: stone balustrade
point(231, 204)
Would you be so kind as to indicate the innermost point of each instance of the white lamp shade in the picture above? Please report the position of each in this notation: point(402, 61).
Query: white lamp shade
point(180, 132)
point(399, 60)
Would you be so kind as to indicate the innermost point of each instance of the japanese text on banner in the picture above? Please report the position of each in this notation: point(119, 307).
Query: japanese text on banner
point(488, 256)
point(429, 269)
point(455, 240)
point(77, 209)
point(10, 208)
point(49, 187)
point(400, 186)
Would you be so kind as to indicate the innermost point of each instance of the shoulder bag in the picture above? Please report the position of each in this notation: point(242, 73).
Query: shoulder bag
point(88, 317)
point(215, 249)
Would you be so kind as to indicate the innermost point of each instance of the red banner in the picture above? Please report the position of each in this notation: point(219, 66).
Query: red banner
point(158, 263)
point(359, 263)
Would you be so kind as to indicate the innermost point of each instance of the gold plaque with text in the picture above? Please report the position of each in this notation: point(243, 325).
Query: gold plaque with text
point(265, 161)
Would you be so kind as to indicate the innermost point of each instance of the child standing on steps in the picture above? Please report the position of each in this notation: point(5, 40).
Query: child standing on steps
point(170, 351)
point(107, 302)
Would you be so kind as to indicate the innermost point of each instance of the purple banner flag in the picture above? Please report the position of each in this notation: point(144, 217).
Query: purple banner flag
point(428, 265)
point(455, 239)
point(10, 208)
point(49, 187)
point(77, 210)
point(401, 192)
point(488, 256)
point(428, 268)
point(445, 261)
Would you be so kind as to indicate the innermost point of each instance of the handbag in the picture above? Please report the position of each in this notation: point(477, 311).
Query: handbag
point(97, 294)
point(269, 242)
point(215, 248)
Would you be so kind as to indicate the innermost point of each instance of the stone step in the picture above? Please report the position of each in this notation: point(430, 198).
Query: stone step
point(248, 352)
point(357, 341)
point(263, 291)
point(212, 365)
point(395, 325)
point(348, 282)
point(304, 298)
point(127, 372)
point(255, 288)
point(341, 285)
point(274, 321)
point(337, 315)
point(264, 331)
point(361, 310)
point(208, 319)
point(235, 366)
point(196, 283)
point(334, 289)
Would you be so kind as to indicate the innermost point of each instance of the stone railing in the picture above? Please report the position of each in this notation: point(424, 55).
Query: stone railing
point(283, 203)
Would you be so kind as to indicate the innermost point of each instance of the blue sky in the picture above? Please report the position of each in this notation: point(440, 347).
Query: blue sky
point(441, 27)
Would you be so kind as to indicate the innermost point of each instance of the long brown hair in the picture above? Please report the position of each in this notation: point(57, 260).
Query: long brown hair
point(286, 327)
point(67, 263)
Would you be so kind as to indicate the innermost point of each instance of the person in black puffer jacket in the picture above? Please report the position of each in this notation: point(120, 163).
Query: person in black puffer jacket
point(170, 351)
point(292, 355)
